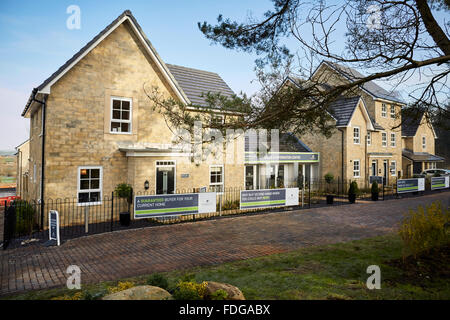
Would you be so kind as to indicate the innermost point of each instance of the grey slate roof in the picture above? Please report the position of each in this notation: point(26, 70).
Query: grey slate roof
point(370, 86)
point(343, 108)
point(410, 124)
point(196, 82)
point(288, 142)
point(421, 156)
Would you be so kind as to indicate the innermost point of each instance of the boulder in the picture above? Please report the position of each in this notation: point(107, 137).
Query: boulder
point(233, 293)
point(140, 293)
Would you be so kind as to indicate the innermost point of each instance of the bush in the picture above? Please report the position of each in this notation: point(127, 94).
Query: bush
point(375, 188)
point(424, 229)
point(25, 214)
point(231, 205)
point(190, 290)
point(121, 286)
point(353, 188)
point(124, 190)
point(329, 177)
point(158, 280)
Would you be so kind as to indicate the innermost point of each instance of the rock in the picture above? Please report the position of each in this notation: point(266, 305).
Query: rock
point(233, 292)
point(140, 293)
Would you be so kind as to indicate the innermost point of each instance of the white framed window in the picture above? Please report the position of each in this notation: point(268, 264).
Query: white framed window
point(384, 139)
point(356, 169)
point(90, 180)
point(356, 135)
point(393, 168)
point(216, 178)
point(121, 115)
point(217, 119)
point(393, 139)
point(369, 138)
point(383, 110)
point(392, 111)
point(424, 142)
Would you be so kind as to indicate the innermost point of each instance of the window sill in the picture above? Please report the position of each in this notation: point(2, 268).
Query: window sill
point(120, 133)
point(88, 204)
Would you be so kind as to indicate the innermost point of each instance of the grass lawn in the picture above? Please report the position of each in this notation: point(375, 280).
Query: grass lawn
point(335, 271)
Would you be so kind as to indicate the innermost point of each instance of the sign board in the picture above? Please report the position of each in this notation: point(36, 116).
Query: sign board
point(410, 185)
point(53, 226)
point(378, 179)
point(275, 157)
point(267, 198)
point(439, 183)
point(165, 205)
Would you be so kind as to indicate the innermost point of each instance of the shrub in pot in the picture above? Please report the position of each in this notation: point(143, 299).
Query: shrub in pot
point(329, 179)
point(125, 191)
point(352, 191)
point(375, 191)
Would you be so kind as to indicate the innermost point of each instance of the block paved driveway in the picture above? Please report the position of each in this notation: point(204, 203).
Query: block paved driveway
point(128, 253)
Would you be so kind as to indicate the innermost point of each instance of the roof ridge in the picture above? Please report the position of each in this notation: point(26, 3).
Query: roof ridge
point(178, 66)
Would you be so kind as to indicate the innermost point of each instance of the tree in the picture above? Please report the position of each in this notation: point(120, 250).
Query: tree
point(395, 40)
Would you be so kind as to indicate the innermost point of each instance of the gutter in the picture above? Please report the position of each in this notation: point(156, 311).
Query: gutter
point(43, 103)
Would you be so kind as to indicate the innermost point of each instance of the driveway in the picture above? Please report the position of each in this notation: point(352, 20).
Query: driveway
point(129, 253)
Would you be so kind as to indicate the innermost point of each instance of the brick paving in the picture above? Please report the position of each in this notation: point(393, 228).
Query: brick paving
point(116, 255)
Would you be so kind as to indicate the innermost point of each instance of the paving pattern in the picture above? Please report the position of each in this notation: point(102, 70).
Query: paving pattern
point(129, 253)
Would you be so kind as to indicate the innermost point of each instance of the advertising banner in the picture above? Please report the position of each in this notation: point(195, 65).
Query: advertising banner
point(439, 183)
point(53, 226)
point(267, 198)
point(410, 185)
point(174, 204)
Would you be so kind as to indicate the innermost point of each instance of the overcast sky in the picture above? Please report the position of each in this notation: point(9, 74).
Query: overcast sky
point(36, 42)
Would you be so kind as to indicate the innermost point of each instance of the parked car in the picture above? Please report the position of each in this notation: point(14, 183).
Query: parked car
point(432, 172)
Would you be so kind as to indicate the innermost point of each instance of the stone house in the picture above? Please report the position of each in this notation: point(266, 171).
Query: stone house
point(366, 140)
point(92, 125)
point(418, 144)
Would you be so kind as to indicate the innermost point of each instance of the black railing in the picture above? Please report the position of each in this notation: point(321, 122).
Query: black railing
point(24, 221)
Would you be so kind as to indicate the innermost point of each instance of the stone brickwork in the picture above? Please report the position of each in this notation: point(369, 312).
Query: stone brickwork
point(78, 123)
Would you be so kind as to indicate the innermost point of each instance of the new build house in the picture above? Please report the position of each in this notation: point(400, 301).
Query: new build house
point(370, 137)
point(93, 126)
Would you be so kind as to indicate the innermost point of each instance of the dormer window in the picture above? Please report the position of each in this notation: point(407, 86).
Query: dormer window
point(383, 110)
point(121, 115)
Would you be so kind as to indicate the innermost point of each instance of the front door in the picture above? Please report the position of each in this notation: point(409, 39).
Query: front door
point(374, 168)
point(165, 179)
point(385, 172)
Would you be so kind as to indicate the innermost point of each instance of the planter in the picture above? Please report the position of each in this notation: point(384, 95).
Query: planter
point(330, 199)
point(352, 198)
point(124, 218)
point(374, 196)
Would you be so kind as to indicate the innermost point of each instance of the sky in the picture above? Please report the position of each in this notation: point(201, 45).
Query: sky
point(36, 42)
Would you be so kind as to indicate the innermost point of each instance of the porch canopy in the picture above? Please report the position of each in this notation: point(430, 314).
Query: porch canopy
point(421, 156)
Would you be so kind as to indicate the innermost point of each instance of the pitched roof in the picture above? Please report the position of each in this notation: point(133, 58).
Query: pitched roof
point(370, 86)
point(410, 124)
point(126, 15)
point(343, 109)
point(421, 156)
point(196, 82)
